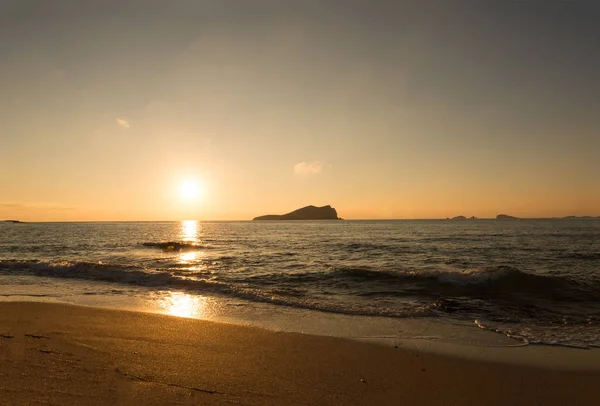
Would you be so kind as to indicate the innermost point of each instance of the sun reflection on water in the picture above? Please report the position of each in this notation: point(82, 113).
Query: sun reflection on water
point(189, 230)
point(183, 305)
point(186, 257)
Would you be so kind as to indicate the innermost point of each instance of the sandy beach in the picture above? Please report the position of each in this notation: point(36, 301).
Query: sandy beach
point(68, 355)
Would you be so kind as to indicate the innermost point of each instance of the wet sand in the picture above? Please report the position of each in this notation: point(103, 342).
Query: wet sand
point(71, 355)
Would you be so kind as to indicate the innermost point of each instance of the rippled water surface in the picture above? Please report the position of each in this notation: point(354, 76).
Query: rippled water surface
point(535, 280)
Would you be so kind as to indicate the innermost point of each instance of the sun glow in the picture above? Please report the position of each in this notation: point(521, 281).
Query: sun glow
point(190, 190)
point(184, 305)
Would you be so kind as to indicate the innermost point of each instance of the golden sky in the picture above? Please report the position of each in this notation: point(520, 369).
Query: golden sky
point(381, 109)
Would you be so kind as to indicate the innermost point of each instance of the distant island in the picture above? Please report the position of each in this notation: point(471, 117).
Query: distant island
point(505, 217)
point(12, 221)
point(305, 213)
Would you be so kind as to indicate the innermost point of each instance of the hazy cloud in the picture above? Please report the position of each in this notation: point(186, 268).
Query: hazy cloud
point(12, 205)
point(123, 123)
point(308, 168)
point(33, 206)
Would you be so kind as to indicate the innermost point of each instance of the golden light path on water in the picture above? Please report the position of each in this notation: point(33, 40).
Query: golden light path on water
point(181, 304)
point(184, 305)
point(189, 230)
point(189, 234)
point(186, 257)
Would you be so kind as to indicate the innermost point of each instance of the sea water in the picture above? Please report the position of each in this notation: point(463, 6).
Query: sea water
point(535, 281)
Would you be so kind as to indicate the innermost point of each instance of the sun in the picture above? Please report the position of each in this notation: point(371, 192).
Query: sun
point(190, 190)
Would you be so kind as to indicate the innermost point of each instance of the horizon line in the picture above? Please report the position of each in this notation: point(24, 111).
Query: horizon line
point(343, 219)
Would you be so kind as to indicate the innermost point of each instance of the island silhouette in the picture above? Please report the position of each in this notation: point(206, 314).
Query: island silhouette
point(506, 217)
point(305, 213)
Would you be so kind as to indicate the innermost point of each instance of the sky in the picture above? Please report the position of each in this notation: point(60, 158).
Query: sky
point(382, 109)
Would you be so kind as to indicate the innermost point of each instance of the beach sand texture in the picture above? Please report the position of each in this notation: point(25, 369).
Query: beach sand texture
point(69, 355)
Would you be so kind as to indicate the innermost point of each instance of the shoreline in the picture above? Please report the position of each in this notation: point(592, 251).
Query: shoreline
point(441, 337)
point(84, 355)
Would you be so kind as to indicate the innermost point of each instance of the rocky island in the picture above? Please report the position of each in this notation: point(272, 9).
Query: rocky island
point(505, 217)
point(305, 213)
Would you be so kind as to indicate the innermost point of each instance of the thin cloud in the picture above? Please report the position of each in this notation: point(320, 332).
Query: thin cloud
point(12, 205)
point(308, 168)
point(123, 123)
point(33, 206)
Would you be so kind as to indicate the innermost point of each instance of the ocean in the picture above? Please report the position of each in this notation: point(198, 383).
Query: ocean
point(535, 281)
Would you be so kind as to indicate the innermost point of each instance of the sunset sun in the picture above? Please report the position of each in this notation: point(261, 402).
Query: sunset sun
point(190, 190)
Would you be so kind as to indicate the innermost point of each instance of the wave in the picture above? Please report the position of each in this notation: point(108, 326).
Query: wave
point(373, 292)
point(376, 249)
point(502, 282)
point(585, 256)
point(174, 246)
point(87, 270)
point(364, 246)
point(165, 280)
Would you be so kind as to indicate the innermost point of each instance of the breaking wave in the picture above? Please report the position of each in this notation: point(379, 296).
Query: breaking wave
point(139, 276)
point(438, 288)
point(497, 281)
